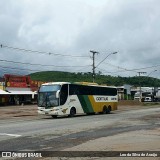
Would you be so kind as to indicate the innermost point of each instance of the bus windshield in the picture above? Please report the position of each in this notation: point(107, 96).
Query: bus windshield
point(49, 88)
point(47, 96)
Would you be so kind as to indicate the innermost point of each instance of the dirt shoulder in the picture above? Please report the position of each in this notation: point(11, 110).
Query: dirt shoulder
point(30, 111)
point(26, 111)
point(129, 103)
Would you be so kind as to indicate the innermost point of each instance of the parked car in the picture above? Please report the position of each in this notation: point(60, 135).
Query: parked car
point(148, 99)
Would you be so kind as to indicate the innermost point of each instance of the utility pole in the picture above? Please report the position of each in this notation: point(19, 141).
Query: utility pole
point(93, 57)
point(140, 91)
point(154, 87)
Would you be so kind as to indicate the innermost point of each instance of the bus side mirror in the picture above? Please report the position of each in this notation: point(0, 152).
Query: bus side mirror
point(57, 94)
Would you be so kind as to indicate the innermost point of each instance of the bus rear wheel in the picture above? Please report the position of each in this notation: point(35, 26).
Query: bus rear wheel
point(72, 112)
point(106, 110)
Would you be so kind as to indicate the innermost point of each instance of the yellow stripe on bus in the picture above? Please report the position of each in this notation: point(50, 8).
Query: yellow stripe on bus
point(98, 106)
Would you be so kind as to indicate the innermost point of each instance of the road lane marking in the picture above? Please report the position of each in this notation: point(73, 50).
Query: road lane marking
point(12, 135)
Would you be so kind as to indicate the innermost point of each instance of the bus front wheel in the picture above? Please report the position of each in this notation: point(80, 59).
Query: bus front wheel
point(72, 112)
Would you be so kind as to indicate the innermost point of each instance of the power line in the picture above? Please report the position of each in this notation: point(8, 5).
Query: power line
point(26, 50)
point(82, 68)
point(19, 68)
point(41, 52)
point(122, 69)
point(130, 70)
point(146, 67)
point(3, 60)
point(6, 71)
point(105, 71)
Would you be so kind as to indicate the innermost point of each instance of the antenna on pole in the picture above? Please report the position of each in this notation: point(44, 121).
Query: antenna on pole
point(93, 57)
point(140, 90)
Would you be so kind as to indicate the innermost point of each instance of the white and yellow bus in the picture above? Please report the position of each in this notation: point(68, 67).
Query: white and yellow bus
point(64, 98)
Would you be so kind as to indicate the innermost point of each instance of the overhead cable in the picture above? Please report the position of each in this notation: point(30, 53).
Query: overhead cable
point(41, 52)
point(3, 60)
point(19, 68)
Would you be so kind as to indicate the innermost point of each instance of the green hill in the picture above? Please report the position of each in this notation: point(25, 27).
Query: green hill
point(57, 76)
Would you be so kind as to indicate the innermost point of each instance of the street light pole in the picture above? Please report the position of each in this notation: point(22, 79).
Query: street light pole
point(106, 58)
point(94, 52)
point(151, 73)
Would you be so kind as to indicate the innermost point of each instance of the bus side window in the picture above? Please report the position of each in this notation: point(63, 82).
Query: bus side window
point(74, 89)
point(71, 89)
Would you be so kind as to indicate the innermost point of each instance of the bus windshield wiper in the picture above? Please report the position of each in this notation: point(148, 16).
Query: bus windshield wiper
point(48, 100)
point(41, 105)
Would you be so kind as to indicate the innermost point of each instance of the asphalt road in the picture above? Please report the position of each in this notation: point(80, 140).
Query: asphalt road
point(47, 134)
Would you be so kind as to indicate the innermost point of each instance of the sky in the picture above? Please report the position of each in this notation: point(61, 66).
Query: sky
point(58, 35)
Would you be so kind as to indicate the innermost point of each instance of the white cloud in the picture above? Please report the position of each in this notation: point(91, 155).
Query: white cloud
point(76, 27)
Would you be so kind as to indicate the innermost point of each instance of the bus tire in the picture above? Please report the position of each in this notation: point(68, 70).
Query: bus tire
point(72, 112)
point(54, 116)
point(108, 110)
point(104, 110)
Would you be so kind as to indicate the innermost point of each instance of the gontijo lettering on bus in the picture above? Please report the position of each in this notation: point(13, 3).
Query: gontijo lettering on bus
point(105, 99)
point(101, 99)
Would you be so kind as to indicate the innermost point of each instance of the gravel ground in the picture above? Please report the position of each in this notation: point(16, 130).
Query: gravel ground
point(136, 140)
point(30, 111)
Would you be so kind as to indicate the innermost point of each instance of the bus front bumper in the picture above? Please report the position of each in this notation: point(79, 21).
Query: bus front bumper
point(48, 112)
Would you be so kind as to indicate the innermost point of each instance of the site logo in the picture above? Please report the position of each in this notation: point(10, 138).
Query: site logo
point(21, 154)
point(6, 154)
